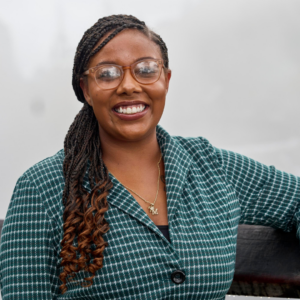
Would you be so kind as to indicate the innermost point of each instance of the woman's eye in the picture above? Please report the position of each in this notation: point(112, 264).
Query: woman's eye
point(108, 74)
point(146, 70)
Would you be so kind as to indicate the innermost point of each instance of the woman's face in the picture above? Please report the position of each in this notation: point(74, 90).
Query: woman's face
point(125, 49)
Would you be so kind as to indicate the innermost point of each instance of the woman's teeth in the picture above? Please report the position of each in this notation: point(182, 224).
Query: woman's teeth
point(129, 110)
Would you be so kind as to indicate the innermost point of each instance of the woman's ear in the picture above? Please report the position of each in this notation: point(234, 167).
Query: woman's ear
point(85, 90)
point(168, 74)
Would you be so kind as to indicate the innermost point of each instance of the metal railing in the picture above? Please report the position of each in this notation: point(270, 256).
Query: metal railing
point(267, 263)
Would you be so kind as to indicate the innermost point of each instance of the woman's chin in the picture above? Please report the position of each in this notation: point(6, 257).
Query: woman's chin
point(136, 132)
point(129, 132)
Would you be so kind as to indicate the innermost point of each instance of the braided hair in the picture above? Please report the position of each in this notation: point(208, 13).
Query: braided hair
point(84, 223)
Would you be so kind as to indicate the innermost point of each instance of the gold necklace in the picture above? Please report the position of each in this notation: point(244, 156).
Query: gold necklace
point(151, 208)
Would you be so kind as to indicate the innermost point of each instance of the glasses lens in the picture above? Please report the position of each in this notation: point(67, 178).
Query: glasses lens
point(147, 71)
point(108, 77)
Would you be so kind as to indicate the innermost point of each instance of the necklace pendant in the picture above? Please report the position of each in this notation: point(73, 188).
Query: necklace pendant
point(153, 210)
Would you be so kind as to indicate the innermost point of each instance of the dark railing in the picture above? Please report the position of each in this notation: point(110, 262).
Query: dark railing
point(267, 263)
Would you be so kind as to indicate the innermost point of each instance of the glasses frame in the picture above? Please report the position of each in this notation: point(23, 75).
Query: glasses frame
point(122, 68)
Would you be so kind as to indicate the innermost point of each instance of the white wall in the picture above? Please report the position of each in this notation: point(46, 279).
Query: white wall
point(236, 72)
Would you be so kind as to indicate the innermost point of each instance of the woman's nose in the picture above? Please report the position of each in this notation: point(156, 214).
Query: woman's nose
point(128, 85)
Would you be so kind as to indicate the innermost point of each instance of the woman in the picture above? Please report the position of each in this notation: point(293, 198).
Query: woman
point(126, 211)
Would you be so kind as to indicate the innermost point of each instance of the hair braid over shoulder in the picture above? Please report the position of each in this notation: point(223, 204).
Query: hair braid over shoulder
point(84, 223)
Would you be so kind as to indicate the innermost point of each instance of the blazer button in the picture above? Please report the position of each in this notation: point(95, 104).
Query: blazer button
point(178, 277)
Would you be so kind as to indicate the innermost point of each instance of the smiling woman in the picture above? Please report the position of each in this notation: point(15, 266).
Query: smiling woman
point(135, 63)
point(127, 211)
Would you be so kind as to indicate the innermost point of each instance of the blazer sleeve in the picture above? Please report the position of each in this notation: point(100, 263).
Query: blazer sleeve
point(27, 257)
point(266, 195)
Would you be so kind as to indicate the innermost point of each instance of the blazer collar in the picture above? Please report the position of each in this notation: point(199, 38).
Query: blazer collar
point(177, 162)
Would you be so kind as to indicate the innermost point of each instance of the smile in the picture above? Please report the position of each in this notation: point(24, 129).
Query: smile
point(130, 109)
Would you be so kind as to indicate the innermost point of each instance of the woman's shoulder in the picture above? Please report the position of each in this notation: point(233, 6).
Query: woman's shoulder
point(194, 145)
point(45, 177)
point(40, 186)
point(50, 167)
point(201, 151)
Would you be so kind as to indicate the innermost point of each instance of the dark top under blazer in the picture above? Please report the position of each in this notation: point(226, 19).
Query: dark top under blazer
point(165, 231)
point(209, 191)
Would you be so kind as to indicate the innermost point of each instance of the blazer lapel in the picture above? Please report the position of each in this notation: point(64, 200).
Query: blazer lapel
point(121, 198)
point(177, 162)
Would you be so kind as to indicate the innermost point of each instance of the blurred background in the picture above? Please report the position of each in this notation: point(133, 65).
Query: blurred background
point(235, 80)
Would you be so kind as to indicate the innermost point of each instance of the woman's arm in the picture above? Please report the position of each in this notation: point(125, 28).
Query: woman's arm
point(266, 195)
point(27, 256)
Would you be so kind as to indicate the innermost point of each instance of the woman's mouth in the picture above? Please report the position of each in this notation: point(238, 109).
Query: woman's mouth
point(130, 109)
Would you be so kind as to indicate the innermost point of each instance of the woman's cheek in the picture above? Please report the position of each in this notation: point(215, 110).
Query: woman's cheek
point(158, 92)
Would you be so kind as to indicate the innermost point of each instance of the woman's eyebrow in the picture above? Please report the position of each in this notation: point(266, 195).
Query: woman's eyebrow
point(146, 57)
point(107, 62)
point(110, 62)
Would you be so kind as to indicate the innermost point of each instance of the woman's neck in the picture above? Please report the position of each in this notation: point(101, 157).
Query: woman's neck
point(122, 156)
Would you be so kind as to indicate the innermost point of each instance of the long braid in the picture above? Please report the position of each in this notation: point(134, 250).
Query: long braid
point(84, 223)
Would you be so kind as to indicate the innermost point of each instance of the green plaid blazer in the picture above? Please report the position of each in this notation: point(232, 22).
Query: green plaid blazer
point(209, 192)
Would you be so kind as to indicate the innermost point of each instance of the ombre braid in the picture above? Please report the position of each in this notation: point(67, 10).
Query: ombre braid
point(84, 223)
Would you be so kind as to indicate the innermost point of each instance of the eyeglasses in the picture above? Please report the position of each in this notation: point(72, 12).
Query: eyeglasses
point(109, 76)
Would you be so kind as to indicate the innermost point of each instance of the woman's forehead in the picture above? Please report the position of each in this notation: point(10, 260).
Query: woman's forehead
point(125, 48)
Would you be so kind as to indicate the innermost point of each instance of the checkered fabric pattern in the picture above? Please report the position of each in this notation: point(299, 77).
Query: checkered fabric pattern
point(209, 191)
